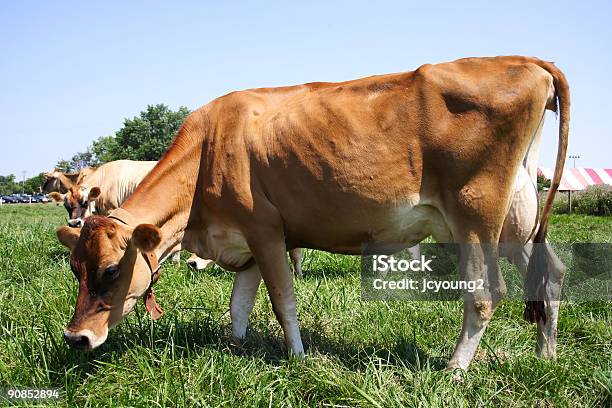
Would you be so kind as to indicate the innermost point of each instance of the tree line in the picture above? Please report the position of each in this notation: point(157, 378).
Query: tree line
point(143, 137)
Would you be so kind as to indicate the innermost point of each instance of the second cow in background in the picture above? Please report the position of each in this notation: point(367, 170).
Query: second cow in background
point(103, 189)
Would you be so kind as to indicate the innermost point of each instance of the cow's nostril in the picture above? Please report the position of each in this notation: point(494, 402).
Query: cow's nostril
point(78, 341)
point(192, 264)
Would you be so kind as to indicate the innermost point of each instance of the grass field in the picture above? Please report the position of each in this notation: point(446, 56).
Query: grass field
point(359, 353)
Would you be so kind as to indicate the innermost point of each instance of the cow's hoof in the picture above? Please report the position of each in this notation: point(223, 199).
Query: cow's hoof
point(546, 353)
point(454, 366)
point(297, 357)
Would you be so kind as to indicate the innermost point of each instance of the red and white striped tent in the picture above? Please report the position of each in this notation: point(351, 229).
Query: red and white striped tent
point(579, 178)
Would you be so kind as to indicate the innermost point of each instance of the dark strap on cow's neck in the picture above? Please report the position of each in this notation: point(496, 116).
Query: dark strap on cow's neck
point(124, 216)
point(150, 258)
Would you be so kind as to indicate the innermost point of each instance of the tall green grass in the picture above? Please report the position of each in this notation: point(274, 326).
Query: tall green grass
point(359, 353)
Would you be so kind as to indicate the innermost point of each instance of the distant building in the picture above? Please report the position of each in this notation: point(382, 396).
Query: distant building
point(579, 178)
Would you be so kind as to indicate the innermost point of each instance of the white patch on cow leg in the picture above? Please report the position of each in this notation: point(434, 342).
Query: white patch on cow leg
point(415, 251)
point(546, 346)
point(271, 256)
point(478, 307)
point(244, 291)
point(286, 313)
point(474, 326)
point(296, 261)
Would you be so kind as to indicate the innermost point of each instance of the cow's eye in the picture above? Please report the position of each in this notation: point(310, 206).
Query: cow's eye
point(111, 272)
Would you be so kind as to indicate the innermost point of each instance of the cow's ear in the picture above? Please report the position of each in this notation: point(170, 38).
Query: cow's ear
point(55, 196)
point(68, 236)
point(94, 193)
point(146, 237)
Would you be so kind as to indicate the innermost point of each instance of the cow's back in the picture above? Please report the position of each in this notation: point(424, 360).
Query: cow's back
point(370, 146)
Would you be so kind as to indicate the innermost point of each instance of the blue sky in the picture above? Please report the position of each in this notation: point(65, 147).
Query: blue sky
point(70, 72)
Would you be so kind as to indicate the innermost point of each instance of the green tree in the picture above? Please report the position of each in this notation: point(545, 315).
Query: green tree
point(63, 166)
point(144, 137)
point(33, 184)
point(78, 161)
point(106, 149)
point(8, 185)
point(543, 182)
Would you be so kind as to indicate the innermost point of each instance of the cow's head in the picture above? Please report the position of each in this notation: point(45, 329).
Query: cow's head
point(79, 201)
point(106, 260)
point(55, 180)
point(52, 182)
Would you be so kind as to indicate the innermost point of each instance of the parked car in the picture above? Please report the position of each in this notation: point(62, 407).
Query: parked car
point(9, 199)
point(40, 198)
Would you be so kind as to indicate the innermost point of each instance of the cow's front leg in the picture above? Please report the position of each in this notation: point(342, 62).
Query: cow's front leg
point(272, 260)
point(477, 262)
point(244, 292)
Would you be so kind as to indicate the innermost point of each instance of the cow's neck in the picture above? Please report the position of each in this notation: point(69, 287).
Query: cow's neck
point(164, 198)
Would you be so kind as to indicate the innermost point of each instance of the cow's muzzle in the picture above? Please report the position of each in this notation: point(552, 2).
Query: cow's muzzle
point(84, 339)
point(80, 341)
point(75, 222)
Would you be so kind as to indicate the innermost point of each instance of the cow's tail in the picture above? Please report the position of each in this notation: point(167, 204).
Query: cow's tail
point(537, 271)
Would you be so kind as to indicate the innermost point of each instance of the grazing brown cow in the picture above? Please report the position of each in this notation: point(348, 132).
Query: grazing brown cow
point(332, 166)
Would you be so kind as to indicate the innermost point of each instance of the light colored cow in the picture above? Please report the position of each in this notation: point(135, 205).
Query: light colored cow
point(56, 181)
point(102, 189)
point(333, 166)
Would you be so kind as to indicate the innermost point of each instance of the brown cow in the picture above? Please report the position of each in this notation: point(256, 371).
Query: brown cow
point(332, 166)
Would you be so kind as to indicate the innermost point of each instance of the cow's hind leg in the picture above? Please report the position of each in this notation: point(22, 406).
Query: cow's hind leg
point(478, 263)
point(244, 292)
point(547, 331)
point(296, 261)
